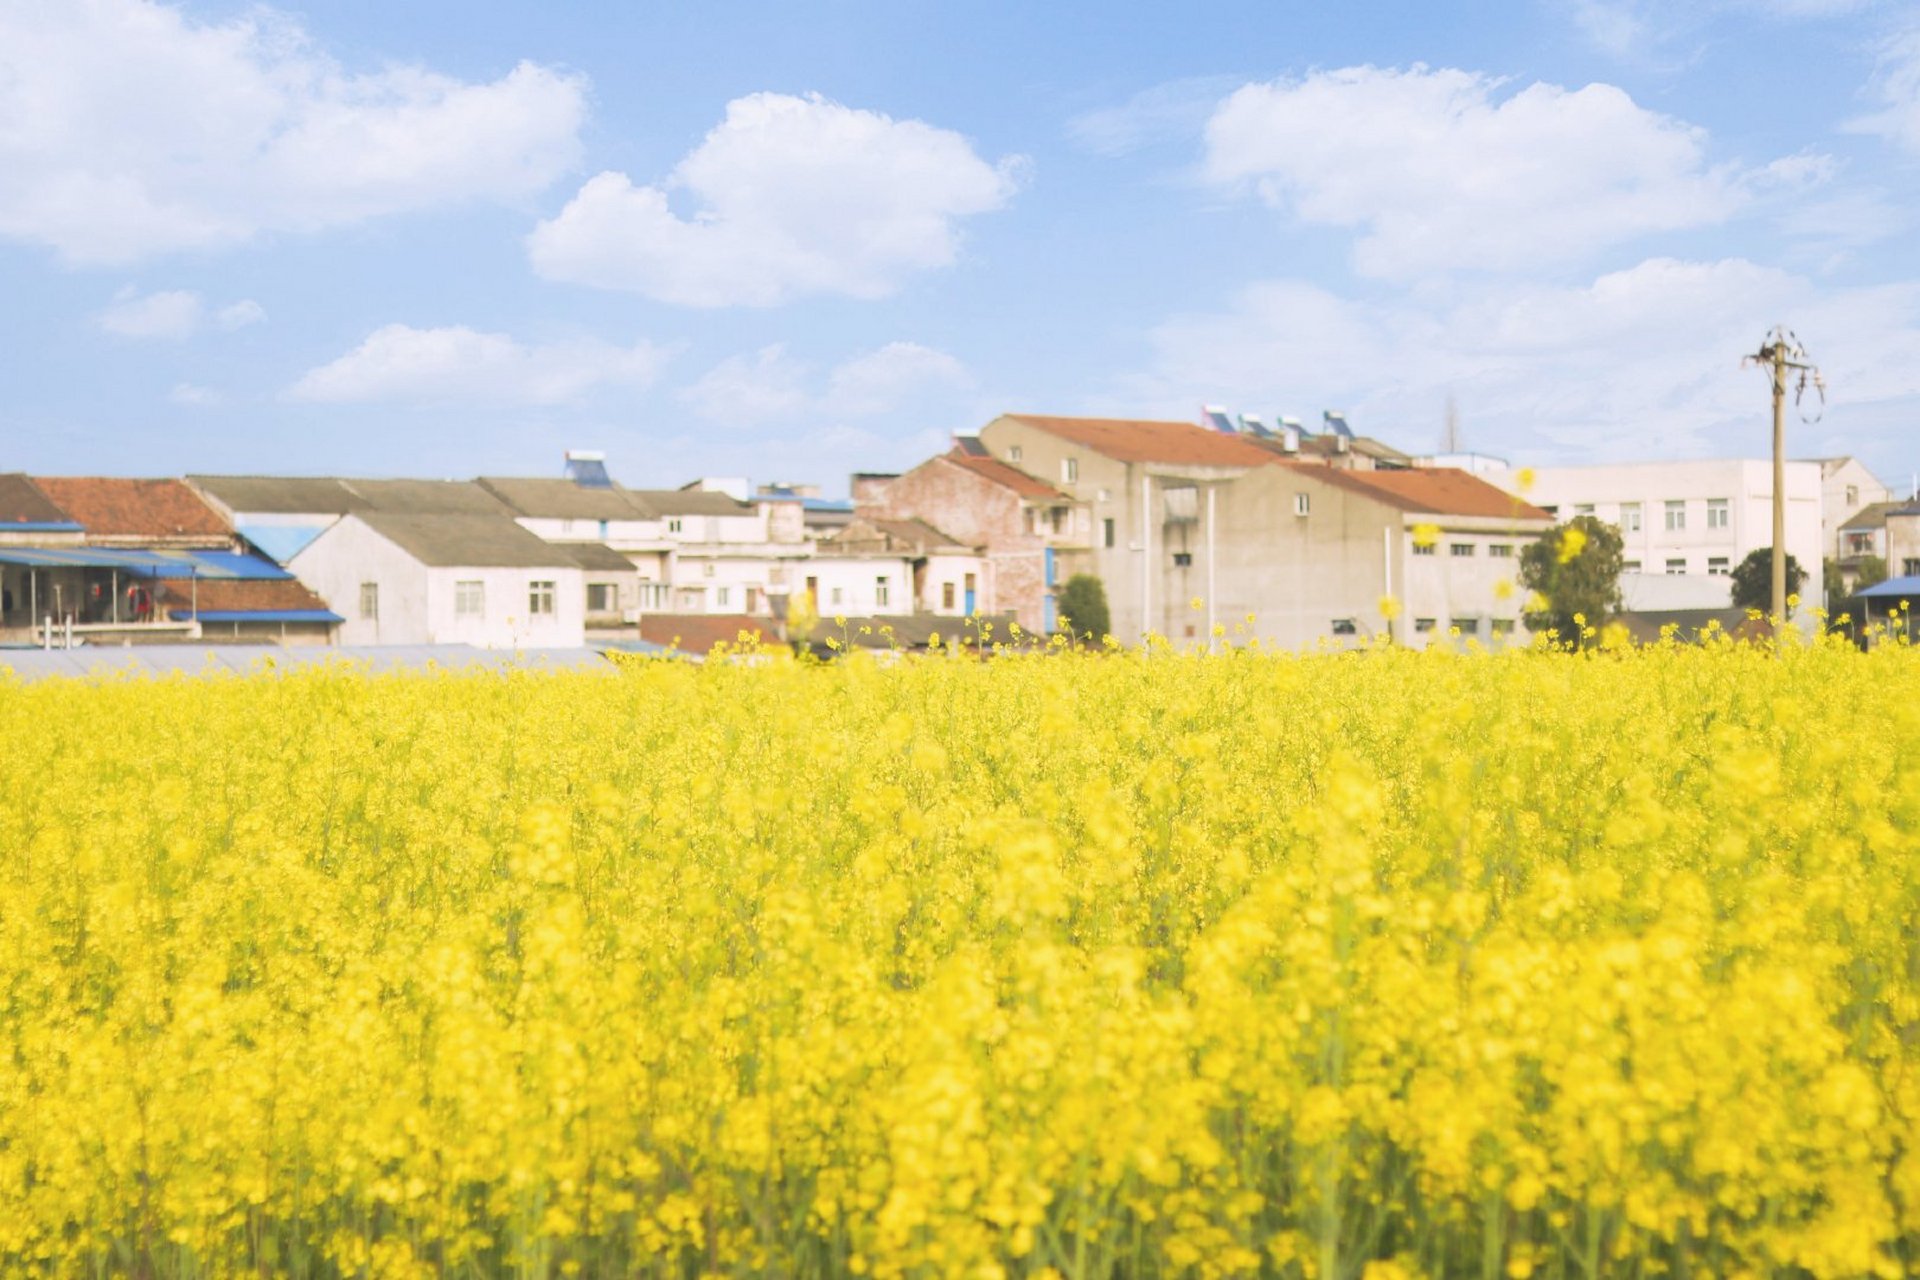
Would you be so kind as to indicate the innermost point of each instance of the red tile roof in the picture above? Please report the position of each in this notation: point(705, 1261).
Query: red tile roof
point(700, 632)
point(1136, 440)
point(1443, 491)
point(115, 508)
point(215, 595)
point(1004, 474)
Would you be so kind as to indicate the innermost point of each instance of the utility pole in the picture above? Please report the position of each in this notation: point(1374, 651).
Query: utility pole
point(1780, 352)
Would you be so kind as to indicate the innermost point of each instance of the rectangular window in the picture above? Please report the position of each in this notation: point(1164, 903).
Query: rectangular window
point(723, 597)
point(1629, 517)
point(1676, 566)
point(1853, 495)
point(1631, 566)
point(1182, 559)
point(1717, 567)
point(1106, 531)
point(1419, 550)
point(1500, 550)
point(1676, 516)
point(837, 596)
point(1718, 516)
point(1345, 627)
point(946, 595)
point(1070, 470)
point(1460, 550)
point(540, 595)
point(370, 601)
point(653, 595)
point(1013, 453)
point(1468, 626)
point(601, 596)
point(1302, 504)
point(469, 599)
point(881, 595)
point(1423, 625)
point(1503, 626)
point(1860, 544)
point(1910, 568)
point(673, 526)
point(1583, 508)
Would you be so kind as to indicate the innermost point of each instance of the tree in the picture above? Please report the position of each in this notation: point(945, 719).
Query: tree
point(1083, 608)
point(1753, 581)
point(1574, 569)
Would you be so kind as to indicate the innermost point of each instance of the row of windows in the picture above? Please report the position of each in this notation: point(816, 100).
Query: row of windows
point(1719, 514)
point(1468, 626)
point(1717, 566)
point(470, 599)
point(1465, 550)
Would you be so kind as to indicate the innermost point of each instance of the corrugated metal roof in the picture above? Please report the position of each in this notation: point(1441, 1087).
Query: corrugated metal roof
point(551, 499)
point(282, 542)
point(597, 556)
point(282, 495)
point(1895, 587)
point(691, 502)
point(150, 564)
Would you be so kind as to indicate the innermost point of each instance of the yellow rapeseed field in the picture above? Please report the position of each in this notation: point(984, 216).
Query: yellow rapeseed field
point(1372, 965)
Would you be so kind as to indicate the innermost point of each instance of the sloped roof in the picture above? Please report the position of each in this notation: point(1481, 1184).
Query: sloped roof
point(1873, 515)
point(1442, 491)
point(23, 502)
point(691, 502)
point(1006, 475)
point(109, 507)
point(482, 542)
point(282, 495)
point(597, 556)
point(562, 499)
point(428, 497)
point(700, 632)
point(223, 595)
point(1145, 440)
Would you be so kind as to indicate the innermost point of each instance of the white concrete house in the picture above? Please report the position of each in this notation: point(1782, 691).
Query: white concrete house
point(445, 579)
point(1690, 521)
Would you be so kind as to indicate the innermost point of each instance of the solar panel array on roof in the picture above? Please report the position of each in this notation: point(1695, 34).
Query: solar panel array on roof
point(1216, 416)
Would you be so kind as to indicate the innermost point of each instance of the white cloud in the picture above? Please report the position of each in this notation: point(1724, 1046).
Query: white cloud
point(401, 363)
point(173, 314)
point(1437, 169)
point(1897, 86)
point(1632, 28)
point(194, 397)
point(1639, 363)
point(795, 196)
point(1173, 111)
point(129, 129)
point(772, 386)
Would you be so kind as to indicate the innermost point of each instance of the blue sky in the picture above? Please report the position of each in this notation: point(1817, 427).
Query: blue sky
point(792, 241)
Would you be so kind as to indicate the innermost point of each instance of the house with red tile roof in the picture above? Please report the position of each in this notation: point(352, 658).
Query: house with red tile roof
point(1180, 513)
point(1026, 536)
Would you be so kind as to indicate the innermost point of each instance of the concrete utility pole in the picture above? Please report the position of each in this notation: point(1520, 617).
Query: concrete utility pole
point(1780, 352)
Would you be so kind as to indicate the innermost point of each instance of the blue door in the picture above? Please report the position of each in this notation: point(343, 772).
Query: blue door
point(1051, 616)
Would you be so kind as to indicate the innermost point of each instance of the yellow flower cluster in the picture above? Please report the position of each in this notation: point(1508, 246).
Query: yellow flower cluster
point(1387, 964)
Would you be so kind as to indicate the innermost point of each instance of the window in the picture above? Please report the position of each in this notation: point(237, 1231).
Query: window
point(370, 601)
point(1013, 453)
point(1502, 626)
point(1302, 504)
point(653, 595)
point(1676, 566)
point(1551, 510)
point(540, 598)
point(1182, 559)
point(1629, 517)
point(469, 599)
point(673, 526)
point(1853, 495)
point(1500, 550)
point(1345, 627)
point(838, 595)
point(1583, 508)
point(1423, 551)
point(707, 569)
point(1057, 517)
point(881, 595)
point(1460, 550)
point(1717, 567)
point(1631, 566)
point(1676, 516)
point(1423, 625)
point(946, 595)
point(601, 597)
point(1106, 495)
point(1718, 516)
point(1910, 567)
point(1106, 531)
point(1467, 626)
point(1070, 470)
point(723, 597)
point(1860, 544)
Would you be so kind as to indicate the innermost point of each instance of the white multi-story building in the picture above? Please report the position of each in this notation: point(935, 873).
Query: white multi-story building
point(1685, 525)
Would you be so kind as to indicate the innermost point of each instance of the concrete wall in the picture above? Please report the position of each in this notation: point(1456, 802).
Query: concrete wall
point(972, 509)
point(1846, 486)
point(348, 554)
point(848, 585)
point(1903, 546)
point(508, 621)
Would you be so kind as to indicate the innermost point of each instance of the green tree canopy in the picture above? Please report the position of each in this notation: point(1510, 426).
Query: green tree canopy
point(1574, 569)
point(1753, 580)
point(1083, 608)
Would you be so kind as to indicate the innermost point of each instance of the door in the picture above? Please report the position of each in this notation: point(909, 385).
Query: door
point(970, 595)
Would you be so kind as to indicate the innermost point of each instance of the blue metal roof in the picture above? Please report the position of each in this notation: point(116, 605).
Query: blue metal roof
point(42, 526)
point(1895, 587)
point(228, 565)
point(256, 615)
point(281, 541)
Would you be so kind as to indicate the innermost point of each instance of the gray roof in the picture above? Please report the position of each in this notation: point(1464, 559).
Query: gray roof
point(691, 502)
point(482, 542)
point(564, 500)
point(290, 495)
point(597, 556)
point(1873, 515)
point(428, 497)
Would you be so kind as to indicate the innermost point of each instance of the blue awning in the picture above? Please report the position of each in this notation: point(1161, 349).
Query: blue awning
point(223, 565)
point(1893, 587)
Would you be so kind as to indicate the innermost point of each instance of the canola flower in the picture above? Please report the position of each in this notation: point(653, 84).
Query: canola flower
point(1376, 965)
